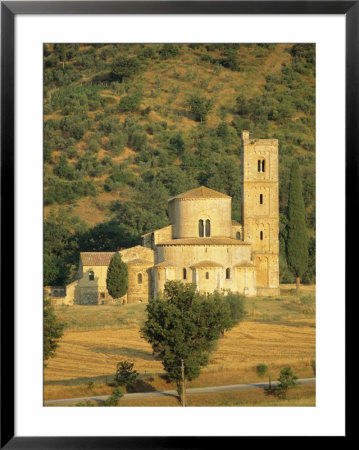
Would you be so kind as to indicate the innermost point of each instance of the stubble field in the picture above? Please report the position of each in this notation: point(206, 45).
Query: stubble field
point(276, 332)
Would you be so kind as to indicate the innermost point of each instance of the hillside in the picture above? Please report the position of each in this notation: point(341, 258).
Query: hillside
point(128, 126)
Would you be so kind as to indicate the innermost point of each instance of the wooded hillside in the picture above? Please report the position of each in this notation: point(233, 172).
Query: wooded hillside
point(128, 126)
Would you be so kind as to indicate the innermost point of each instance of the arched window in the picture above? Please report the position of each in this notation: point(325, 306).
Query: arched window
point(208, 228)
point(200, 228)
point(228, 274)
point(238, 235)
point(139, 278)
point(263, 165)
point(207, 275)
point(261, 199)
point(261, 235)
point(185, 274)
point(259, 165)
point(91, 275)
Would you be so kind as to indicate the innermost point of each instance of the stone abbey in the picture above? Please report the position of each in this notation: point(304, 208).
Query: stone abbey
point(202, 244)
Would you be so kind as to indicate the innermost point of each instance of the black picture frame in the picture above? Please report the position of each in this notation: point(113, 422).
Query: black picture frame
point(9, 10)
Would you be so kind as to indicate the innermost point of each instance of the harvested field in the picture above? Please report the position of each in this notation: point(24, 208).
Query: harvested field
point(95, 353)
point(276, 332)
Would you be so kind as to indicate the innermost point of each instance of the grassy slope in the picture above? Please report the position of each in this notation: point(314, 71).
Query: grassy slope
point(165, 86)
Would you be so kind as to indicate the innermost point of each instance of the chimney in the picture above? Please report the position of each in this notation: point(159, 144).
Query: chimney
point(245, 135)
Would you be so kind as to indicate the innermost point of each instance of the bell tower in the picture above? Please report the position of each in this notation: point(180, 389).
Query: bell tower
point(260, 209)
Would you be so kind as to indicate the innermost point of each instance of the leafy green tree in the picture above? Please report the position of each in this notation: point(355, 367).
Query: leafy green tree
point(117, 277)
point(63, 169)
point(125, 373)
point(125, 67)
point(53, 331)
point(183, 325)
point(199, 106)
point(236, 308)
point(177, 143)
point(176, 180)
point(130, 103)
point(297, 244)
point(169, 51)
point(63, 54)
point(231, 60)
point(287, 379)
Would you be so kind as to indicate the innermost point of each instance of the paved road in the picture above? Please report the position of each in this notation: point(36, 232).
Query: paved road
point(172, 393)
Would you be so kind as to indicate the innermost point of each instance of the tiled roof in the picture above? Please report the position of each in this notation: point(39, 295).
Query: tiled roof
point(244, 264)
point(165, 264)
point(96, 258)
point(201, 192)
point(155, 231)
point(140, 261)
point(204, 241)
point(207, 264)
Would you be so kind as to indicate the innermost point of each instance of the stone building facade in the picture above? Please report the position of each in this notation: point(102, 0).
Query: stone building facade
point(202, 244)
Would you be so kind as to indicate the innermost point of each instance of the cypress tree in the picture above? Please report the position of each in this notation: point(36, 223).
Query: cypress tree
point(117, 277)
point(297, 243)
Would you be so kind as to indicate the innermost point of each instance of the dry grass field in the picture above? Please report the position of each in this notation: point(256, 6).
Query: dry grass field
point(303, 395)
point(300, 396)
point(277, 332)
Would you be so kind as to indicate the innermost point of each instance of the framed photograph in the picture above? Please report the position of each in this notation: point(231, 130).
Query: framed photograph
point(169, 170)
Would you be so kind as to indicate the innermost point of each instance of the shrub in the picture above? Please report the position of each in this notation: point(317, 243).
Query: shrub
point(85, 403)
point(138, 140)
point(169, 51)
point(124, 67)
point(130, 103)
point(74, 126)
point(114, 398)
point(313, 366)
point(110, 125)
point(117, 142)
point(93, 146)
point(199, 106)
point(287, 379)
point(262, 369)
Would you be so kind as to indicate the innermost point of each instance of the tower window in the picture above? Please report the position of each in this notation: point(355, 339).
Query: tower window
point(261, 199)
point(228, 274)
point(261, 235)
point(261, 165)
point(207, 275)
point(208, 228)
point(139, 278)
point(200, 228)
point(238, 235)
point(185, 274)
point(91, 275)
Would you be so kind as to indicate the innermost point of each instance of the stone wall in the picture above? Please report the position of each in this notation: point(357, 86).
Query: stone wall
point(138, 252)
point(188, 212)
point(139, 282)
point(260, 206)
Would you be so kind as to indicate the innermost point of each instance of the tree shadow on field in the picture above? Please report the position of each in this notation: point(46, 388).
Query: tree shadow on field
point(140, 386)
point(126, 351)
point(269, 392)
